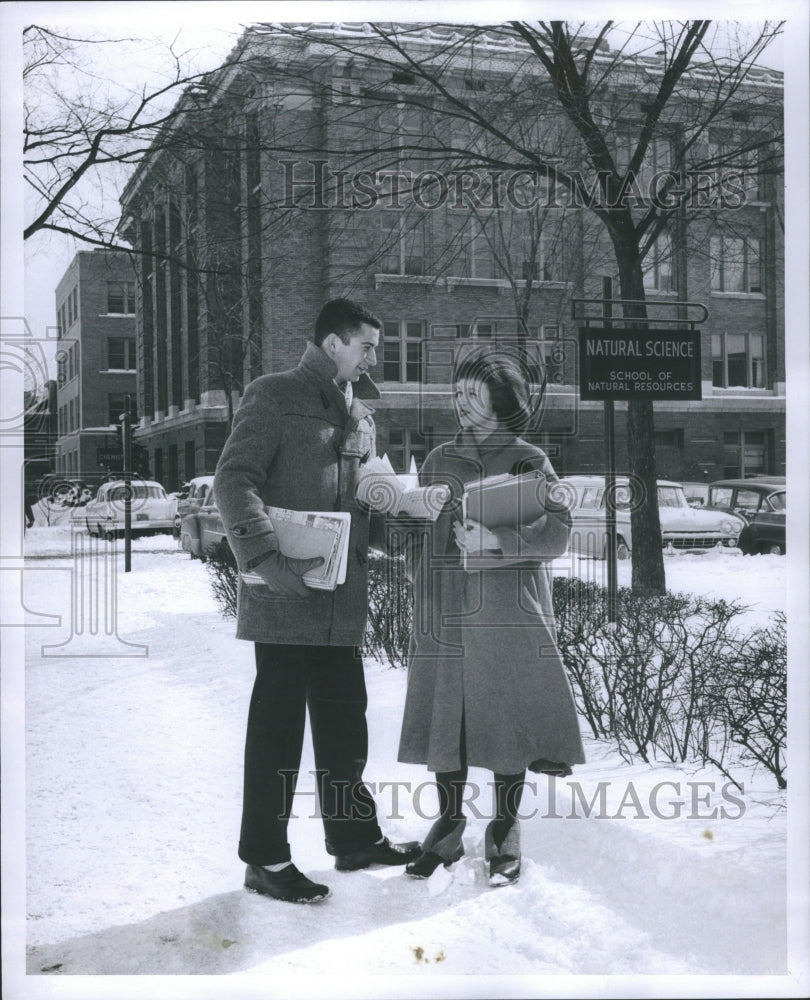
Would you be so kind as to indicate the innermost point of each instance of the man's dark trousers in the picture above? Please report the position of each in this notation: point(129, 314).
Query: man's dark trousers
point(329, 681)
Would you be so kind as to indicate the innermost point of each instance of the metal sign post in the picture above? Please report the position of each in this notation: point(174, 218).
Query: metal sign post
point(126, 434)
point(610, 472)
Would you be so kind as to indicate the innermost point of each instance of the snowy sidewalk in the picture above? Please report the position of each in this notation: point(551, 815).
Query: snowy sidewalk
point(133, 800)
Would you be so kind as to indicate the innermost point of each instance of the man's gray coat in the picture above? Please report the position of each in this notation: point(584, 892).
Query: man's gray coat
point(294, 444)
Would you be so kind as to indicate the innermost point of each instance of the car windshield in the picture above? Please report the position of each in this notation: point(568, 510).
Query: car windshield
point(671, 496)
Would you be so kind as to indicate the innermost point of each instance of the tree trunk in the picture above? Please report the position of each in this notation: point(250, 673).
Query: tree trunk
point(648, 559)
point(648, 576)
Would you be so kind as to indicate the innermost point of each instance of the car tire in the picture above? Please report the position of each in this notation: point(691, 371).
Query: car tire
point(744, 543)
point(771, 549)
point(90, 530)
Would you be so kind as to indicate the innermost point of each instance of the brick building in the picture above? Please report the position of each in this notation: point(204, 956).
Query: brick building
point(281, 188)
point(96, 363)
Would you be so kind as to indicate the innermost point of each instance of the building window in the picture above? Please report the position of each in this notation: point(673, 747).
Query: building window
point(117, 404)
point(736, 264)
point(657, 159)
point(745, 453)
point(449, 331)
point(121, 353)
point(404, 445)
point(658, 266)
point(735, 167)
point(401, 351)
point(738, 360)
point(401, 243)
point(470, 252)
point(345, 91)
point(545, 260)
point(74, 298)
point(121, 297)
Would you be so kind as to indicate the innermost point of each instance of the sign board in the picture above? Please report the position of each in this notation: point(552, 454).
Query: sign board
point(114, 458)
point(619, 363)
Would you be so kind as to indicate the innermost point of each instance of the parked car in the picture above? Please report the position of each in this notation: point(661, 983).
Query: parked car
point(201, 530)
point(761, 502)
point(683, 528)
point(152, 511)
point(194, 494)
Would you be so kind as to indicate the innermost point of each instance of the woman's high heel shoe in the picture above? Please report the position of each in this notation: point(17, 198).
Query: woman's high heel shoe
point(438, 849)
point(427, 863)
point(504, 861)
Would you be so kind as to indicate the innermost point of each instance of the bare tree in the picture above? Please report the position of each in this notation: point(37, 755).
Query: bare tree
point(83, 136)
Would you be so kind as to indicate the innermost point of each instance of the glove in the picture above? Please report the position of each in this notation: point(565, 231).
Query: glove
point(283, 575)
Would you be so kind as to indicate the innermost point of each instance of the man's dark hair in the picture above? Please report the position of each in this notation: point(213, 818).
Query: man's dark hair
point(343, 317)
point(508, 389)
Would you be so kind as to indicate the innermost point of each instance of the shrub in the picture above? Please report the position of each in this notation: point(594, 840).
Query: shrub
point(672, 677)
point(750, 694)
point(390, 610)
point(221, 565)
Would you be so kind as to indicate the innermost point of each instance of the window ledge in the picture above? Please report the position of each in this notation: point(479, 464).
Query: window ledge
point(406, 279)
point(738, 295)
point(452, 282)
point(476, 283)
point(737, 390)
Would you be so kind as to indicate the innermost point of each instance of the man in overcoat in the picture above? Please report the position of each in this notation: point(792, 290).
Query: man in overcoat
point(297, 441)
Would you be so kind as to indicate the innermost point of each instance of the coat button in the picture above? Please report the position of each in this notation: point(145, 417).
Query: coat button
point(240, 531)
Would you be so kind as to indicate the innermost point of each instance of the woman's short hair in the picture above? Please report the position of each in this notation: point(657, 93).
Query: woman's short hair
point(507, 385)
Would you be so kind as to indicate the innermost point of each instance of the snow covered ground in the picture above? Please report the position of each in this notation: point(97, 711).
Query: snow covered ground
point(134, 735)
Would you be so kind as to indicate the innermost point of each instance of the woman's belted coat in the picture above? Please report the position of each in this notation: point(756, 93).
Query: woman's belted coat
point(486, 684)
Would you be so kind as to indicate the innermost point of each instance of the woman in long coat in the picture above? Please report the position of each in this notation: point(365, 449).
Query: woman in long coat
point(486, 684)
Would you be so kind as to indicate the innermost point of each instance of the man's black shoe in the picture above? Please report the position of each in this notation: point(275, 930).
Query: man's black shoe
point(288, 884)
point(384, 853)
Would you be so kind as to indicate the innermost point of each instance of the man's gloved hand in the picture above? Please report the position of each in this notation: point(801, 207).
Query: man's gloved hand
point(283, 575)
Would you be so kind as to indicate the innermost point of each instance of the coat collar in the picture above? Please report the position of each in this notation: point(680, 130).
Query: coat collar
point(319, 366)
point(498, 440)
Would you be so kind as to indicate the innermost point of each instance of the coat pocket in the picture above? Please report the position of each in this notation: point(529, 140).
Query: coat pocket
point(252, 586)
